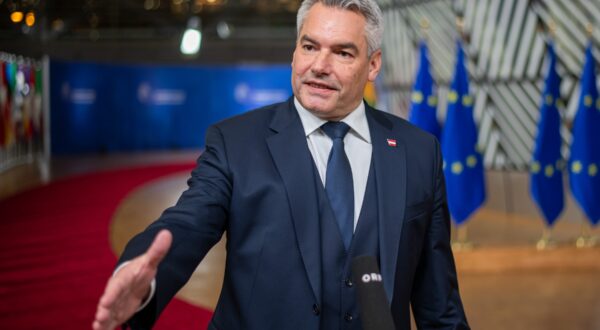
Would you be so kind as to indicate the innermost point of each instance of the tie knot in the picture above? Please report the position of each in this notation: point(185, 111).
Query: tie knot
point(335, 129)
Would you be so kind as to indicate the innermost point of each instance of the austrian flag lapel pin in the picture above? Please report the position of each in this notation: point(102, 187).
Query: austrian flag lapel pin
point(391, 143)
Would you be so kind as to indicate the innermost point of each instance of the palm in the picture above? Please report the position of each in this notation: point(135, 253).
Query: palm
point(130, 285)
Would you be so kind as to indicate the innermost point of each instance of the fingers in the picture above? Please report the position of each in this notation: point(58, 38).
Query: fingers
point(159, 248)
point(108, 304)
point(115, 288)
point(125, 290)
point(103, 320)
point(105, 316)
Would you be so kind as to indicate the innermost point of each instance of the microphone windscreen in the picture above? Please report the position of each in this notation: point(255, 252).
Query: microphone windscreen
point(373, 306)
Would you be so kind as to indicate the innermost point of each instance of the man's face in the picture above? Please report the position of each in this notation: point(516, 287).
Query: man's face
point(331, 66)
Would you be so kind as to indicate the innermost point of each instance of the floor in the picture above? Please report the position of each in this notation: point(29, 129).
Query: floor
point(505, 282)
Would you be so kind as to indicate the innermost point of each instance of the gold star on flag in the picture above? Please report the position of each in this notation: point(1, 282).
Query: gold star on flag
point(452, 96)
point(457, 168)
point(471, 161)
point(549, 170)
point(467, 100)
point(417, 97)
point(432, 101)
point(592, 169)
point(576, 167)
point(535, 167)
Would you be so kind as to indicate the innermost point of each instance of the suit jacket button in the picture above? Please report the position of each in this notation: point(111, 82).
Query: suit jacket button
point(348, 317)
point(316, 309)
point(349, 283)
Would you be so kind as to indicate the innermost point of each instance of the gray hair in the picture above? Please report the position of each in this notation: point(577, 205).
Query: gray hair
point(367, 8)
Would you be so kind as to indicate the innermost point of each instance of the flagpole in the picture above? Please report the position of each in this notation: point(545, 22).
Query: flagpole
point(462, 242)
point(460, 24)
point(545, 243)
point(552, 29)
point(546, 176)
point(424, 23)
point(585, 239)
point(465, 177)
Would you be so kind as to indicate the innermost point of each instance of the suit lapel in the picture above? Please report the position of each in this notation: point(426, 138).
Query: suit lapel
point(390, 173)
point(292, 158)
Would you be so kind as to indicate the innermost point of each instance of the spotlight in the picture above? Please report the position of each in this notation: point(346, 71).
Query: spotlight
point(192, 37)
point(223, 30)
point(16, 16)
point(30, 19)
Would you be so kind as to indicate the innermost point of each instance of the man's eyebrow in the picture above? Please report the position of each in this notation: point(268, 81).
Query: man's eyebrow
point(345, 45)
point(309, 39)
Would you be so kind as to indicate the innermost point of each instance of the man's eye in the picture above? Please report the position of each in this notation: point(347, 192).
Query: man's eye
point(308, 47)
point(345, 54)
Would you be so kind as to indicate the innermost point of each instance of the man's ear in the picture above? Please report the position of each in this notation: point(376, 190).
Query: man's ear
point(374, 65)
point(294, 55)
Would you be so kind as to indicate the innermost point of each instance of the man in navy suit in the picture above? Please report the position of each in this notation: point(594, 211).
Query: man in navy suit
point(300, 188)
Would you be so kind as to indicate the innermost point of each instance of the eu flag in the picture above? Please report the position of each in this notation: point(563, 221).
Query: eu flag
point(546, 166)
point(463, 165)
point(585, 148)
point(423, 102)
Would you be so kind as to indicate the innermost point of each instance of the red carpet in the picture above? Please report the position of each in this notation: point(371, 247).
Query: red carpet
point(55, 256)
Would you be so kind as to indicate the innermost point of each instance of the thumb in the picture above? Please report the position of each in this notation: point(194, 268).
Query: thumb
point(159, 248)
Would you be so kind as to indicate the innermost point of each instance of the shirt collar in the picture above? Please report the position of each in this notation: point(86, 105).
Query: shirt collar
point(357, 120)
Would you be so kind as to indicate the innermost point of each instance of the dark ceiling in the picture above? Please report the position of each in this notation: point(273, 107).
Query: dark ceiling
point(150, 30)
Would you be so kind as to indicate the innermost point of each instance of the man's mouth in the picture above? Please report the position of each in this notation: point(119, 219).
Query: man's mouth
point(319, 85)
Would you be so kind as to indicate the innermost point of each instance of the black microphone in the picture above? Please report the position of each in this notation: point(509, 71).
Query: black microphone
point(374, 308)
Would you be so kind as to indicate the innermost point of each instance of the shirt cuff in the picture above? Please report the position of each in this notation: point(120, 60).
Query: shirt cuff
point(152, 287)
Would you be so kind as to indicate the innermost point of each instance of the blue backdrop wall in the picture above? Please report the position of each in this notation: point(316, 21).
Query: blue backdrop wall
point(106, 108)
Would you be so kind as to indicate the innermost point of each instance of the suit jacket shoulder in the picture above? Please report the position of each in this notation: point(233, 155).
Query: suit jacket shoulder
point(256, 119)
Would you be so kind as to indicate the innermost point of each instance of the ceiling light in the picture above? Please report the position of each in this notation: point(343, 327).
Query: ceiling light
point(192, 37)
point(149, 4)
point(30, 18)
point(223, 30)
point(16, 16)
point(58, 25)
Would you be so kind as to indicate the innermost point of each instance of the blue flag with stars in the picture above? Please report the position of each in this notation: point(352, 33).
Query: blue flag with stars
point(423, 102)
point(463, 165)
point(585, 148)
point(546, 166)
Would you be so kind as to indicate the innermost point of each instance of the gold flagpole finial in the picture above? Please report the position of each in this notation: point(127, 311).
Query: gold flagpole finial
point(424, 23)
point(552, 28)
point(460, 25)
point(589, 28)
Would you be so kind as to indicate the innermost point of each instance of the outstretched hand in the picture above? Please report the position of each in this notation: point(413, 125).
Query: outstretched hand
point(129, 286)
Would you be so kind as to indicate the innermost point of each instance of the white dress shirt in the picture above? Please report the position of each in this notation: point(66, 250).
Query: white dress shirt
point(357, 144)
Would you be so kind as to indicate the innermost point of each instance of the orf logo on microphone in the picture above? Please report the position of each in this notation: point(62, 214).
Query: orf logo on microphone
point(373, 277)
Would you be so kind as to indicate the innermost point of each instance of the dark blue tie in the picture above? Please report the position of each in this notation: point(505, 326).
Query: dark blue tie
point(338, 181)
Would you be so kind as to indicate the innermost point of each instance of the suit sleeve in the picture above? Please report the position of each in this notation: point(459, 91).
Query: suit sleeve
point(197, 222)
point(435, 299)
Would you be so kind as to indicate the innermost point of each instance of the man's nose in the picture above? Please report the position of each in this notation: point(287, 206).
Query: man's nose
point(322, 64)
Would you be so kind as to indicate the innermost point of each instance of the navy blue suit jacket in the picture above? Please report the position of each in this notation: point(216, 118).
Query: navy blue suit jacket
point(255, 182)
